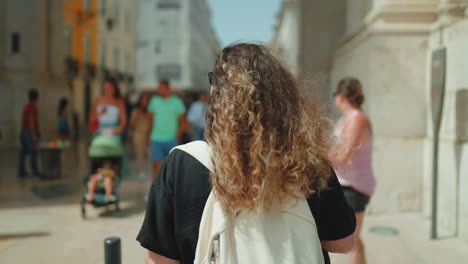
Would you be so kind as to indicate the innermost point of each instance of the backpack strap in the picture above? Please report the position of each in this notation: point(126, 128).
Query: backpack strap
point(200, 151)
point(213, 221)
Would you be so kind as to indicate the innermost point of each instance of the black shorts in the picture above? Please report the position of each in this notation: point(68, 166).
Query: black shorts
point(357, 200)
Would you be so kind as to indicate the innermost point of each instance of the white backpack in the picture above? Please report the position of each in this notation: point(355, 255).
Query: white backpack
point(286, 234)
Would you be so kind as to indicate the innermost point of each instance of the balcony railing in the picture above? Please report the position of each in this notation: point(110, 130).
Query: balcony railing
point(119, 76)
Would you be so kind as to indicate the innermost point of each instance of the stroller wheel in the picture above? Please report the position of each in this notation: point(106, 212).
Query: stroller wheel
point(83, 209)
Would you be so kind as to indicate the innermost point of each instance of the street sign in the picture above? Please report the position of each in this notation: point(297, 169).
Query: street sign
point(438, 71)
point(438, 65)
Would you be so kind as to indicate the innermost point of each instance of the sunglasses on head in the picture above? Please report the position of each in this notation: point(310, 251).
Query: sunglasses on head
point(210, 78)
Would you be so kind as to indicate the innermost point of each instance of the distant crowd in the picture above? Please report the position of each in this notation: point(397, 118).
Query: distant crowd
point(158, 121)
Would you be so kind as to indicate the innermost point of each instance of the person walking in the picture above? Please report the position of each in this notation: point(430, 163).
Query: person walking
point(354, 155)
point(63, 128)
point(167, 122)
point(269, 147)
point(109, 119)
point(196, 117)
point(140, 130)
point(109, 111)
point(29, 136)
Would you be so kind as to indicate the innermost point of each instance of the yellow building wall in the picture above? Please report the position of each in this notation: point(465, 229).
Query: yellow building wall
point(82, 22)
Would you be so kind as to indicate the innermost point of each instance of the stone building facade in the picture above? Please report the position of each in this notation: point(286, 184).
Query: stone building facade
point(103, 44)
point(388, 45)
point(176, 43)
point(64, 48)
point(31, 56)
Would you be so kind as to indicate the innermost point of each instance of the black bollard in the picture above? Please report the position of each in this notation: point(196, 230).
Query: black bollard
point(112, 252)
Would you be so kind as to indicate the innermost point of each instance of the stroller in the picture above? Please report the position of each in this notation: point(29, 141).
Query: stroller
point(103, 148)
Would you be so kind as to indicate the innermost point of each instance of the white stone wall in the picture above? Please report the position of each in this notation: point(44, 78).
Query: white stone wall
point(394, 92)
point(119, 43)
point(15, 76)
point(201, 57)
point(453, 149)
point(146, 44)
point(389, 50)
point(286, 42)
point(390, 61)
point(356, 12)
point(322, 32)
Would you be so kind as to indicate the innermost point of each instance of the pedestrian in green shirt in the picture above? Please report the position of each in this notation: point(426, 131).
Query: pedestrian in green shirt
point(168, 124)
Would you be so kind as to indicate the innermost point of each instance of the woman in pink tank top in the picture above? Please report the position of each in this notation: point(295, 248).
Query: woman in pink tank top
point(353, 158)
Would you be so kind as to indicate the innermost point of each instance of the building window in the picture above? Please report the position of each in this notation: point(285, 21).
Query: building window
point(168, 4)
point(102, 5)
point(157, 46)
point(169, 71)
point(87, 4)
point(15, 45)
point(127, 22)
point(116, 11)
point(87, 48)
point(128, 62)
point(103, 54)
point(116, 59)
point(68, 32)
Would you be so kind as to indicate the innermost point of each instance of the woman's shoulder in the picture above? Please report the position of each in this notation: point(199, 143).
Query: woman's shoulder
point(113, 103)
point(184, 166)
point(97, 100)
point(186, 178)
point(359, 118)
point(104, 101)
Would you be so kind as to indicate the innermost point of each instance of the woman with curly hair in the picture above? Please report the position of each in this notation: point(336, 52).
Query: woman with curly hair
point(269, 144)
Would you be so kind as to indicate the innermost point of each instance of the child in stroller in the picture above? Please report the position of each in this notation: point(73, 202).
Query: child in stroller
point(106, 175)
point(100, 186)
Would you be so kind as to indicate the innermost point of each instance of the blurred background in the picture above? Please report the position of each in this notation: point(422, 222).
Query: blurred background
point(410, 55)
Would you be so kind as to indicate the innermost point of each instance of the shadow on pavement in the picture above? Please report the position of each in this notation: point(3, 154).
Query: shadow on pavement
point(32, 192)
point(36, 194)
point(22, 235)
point(131, 192)
point(55, 191)
point(133, 208)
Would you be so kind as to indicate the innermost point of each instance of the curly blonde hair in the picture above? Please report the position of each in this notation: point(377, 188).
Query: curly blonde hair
point(269, 140)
